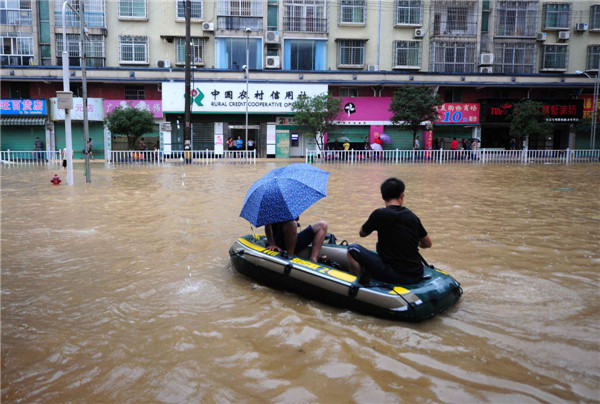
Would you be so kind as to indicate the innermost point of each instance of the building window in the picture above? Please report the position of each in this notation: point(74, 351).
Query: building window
point(407, 54)
point(348, 92)
point(94, 14)
point(453, 95)
point(197, 49)
point(593, 58)
point(15, 12)
point(304, 54)
point(557, 15)
point(195, 11)
point(517, 18)
point(94, 50)
point(408, 12)
point(305, 16)
point(132, 8)
point(240, 14)
point(135, 93)
point(454, 57)
point(595, 17)
point(231, 53)
point(554, 57)
point(514, 57)
point(351, 52)
point(456, 19)
point(17, 49)
point(353, 11)
point(133, 49)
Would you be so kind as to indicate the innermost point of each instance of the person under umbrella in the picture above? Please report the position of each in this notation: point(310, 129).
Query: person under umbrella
point(277, 200)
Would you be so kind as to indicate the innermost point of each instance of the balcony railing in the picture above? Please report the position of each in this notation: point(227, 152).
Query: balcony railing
point(15, 17)
point(305, 24)
point(240, 23)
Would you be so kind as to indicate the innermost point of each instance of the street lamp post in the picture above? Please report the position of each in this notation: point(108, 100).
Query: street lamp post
point(248, 30)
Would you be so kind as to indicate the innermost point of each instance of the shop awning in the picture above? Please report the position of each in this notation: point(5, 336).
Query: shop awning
point(25, 121)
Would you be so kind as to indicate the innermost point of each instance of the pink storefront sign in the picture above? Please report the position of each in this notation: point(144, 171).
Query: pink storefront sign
point(153, 106)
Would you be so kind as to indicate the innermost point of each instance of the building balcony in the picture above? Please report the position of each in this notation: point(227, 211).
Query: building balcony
point(305, 24)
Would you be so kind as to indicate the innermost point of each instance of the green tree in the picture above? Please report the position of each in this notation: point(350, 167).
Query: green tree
point(527, 118)
point(317, 114)
point(412, 105)
point(131, 122)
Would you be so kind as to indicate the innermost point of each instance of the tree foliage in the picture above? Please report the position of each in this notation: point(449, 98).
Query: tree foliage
point(317, 114)
point(527, 118)
point(131, 122)
point(412, 105)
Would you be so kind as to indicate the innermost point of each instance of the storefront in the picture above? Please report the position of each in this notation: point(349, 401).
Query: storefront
point(118, 142)
point(95, 126)
point(219, 112)
point(564, 114)
point(21, 122)
point(364, 118)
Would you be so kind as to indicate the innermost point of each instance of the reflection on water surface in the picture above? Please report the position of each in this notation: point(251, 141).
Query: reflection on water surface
point(121, 290)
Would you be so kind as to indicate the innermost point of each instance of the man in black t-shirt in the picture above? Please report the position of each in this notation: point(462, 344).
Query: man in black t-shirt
point(399, 236)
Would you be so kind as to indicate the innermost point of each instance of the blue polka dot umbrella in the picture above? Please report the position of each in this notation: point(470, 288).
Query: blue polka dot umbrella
point(284, 193)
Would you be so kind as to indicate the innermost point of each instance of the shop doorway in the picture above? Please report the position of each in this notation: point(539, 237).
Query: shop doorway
point(240, 130)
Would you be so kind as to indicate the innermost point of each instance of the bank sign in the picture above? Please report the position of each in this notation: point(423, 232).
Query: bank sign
point(232, 97)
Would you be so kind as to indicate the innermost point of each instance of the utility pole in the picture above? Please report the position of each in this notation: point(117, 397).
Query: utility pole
point(86, 126)
point(187, 129)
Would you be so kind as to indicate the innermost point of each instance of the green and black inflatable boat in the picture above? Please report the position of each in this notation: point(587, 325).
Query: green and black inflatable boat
point(333, 285)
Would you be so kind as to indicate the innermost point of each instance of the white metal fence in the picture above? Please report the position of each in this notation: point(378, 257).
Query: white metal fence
point(158, 157)
point(480, 156)
point(30, 157)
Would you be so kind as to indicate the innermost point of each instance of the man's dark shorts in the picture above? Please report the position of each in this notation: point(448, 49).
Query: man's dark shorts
point(305, 237)
point(377, 269)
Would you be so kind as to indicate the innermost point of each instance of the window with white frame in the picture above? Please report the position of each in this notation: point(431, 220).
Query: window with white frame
point(17, 49)
point(454, 57)
point(514, 57)
point(197, 51)
point(593, 58)
point(305, 16)
point(517, 18)
point(353, 11)
point(458, 18)
point(240, 14)
point(407, 53)
point(133, 49)
point(408, 12)
point(195, 11)
point(595, 16)
point(351, 52)
point(132, 9)
point(15, 12)
point(348, 91)
point(94, 50)
point(554, 57)
point(95, 14)
point(557, 15)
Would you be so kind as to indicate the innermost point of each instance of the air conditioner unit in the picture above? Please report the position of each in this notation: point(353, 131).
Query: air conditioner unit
point(272, 37)
point(564, 35)
point(419, 33)
point(486, 70)
point(273, 62)
point(486, 59)
point(373, 68)
point(163, 63)
point(541, 36)
point(208, 26)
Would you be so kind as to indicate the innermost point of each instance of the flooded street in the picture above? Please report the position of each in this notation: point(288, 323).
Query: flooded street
point(122, 291)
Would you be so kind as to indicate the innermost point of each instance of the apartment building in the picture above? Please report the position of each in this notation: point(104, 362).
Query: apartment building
point(475, 52)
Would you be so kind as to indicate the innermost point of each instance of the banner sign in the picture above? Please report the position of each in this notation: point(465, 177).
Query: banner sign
point(556, 110)
point(95, 109)
point(375, 111)
point(152, 106)
point(588, 105)
point(22, 107)
point(232, 97)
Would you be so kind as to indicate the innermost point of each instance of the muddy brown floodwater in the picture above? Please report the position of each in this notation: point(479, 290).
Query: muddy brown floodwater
point(122, 291)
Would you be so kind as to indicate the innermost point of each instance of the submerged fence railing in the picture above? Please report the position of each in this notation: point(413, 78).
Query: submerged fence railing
point(130, 157)
point(480, 156)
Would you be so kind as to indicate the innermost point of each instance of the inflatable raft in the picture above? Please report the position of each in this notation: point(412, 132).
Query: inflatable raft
point(333, 285)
